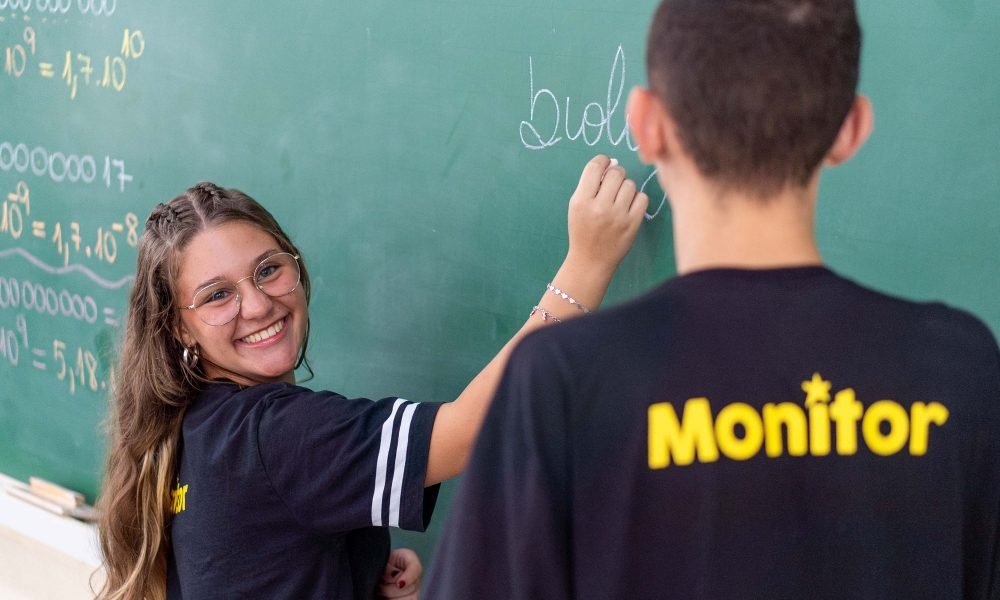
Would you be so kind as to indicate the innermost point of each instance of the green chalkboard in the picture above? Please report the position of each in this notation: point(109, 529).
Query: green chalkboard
point(421, 155)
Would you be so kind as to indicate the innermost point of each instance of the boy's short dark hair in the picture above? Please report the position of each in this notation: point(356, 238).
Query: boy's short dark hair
point(758, 89)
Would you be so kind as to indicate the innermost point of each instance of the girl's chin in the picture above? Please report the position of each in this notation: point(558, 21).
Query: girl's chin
point(280, 373)
point(275, 375)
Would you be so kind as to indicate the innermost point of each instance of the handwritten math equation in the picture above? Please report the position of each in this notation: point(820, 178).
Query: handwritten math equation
point(77, 367)
point(76, 69)
point(52, 321)
point(68, 238)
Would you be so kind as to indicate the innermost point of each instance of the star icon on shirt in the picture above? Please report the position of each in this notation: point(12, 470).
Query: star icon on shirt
point(817, 390)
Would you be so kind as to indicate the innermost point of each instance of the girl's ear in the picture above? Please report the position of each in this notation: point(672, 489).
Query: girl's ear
point(182, 335)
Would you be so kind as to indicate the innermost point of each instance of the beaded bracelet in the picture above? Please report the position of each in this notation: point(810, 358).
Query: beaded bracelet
point(567, 298)
point(546, 315)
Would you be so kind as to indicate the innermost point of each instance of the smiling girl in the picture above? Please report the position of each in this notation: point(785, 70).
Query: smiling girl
point(224, 478)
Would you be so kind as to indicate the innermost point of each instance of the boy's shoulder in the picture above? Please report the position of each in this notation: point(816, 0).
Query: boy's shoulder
point(724, 295)
point(936, 319)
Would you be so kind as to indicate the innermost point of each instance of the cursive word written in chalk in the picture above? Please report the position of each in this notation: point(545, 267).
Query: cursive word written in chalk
point(595, 118)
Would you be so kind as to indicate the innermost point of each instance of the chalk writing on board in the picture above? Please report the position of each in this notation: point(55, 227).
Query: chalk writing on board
point(77, 367)
point(104, 247)
point(30, 296)
point(10, 340)
point(663, 199)
point(77, 70)
point(97, 8)
point(16, 56)
point(595, 120)
point(107, 284)
point(63, 167)
point(85, 368)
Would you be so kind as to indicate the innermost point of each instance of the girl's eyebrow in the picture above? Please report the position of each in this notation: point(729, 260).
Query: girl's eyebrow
point(256, 261)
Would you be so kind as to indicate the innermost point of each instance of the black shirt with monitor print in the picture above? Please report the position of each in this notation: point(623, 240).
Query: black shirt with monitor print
point(734, 434)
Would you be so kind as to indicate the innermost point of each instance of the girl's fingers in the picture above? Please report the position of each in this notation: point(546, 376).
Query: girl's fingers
point(626, 194)
point(640, 205)
point(590, 179)
point(613, 179)
point(399, 589)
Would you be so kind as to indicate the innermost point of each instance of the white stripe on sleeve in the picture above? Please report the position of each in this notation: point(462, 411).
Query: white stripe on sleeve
point(397, 473)
point(383, 461)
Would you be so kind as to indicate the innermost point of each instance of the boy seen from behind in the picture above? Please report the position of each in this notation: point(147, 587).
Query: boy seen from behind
point(758, 426)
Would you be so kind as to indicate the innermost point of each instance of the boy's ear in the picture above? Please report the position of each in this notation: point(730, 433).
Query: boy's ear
point(854, 131)
point(646, 119)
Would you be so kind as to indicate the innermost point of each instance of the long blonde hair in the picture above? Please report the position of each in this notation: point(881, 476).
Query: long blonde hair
point(153, 389)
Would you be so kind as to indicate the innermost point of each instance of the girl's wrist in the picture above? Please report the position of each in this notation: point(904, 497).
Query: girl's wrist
point(585, 281)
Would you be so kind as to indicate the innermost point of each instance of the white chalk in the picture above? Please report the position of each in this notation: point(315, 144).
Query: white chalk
point(614, 161)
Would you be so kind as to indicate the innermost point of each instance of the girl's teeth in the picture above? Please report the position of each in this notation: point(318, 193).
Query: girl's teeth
point(253, 338)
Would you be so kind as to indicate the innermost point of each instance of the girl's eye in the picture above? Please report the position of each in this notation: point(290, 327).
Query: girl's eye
point(266, 272)
point(217, 296)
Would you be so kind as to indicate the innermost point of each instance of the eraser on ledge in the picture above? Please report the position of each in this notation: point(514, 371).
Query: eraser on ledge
point(55, 493)
point(83, 512)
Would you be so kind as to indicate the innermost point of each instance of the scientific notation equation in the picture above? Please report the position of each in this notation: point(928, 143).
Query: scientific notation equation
point(76, 69)
point(69, 238)
point(79, 368)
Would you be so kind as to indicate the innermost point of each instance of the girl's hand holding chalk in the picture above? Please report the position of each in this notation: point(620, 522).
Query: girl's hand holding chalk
point(604, 216)
point(614, 163)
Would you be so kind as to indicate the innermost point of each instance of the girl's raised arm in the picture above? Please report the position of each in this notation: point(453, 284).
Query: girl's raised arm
point(604, 216)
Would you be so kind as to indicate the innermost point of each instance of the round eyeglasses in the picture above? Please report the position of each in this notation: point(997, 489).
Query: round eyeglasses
point(218, 303)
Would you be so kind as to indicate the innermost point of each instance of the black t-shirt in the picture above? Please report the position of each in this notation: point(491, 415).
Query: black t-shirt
point(287, 493)
point(736, 434)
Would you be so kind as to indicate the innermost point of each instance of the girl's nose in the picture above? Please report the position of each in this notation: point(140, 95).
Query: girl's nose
point(254, 303)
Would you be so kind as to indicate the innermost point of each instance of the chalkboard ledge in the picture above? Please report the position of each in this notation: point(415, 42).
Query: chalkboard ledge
point(43, 555)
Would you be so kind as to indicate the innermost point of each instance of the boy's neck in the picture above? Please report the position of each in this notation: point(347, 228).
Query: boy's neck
point(713, 229)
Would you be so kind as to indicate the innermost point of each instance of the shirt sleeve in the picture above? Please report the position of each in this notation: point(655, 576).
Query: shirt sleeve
point(508, 532)
point(341, 464)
